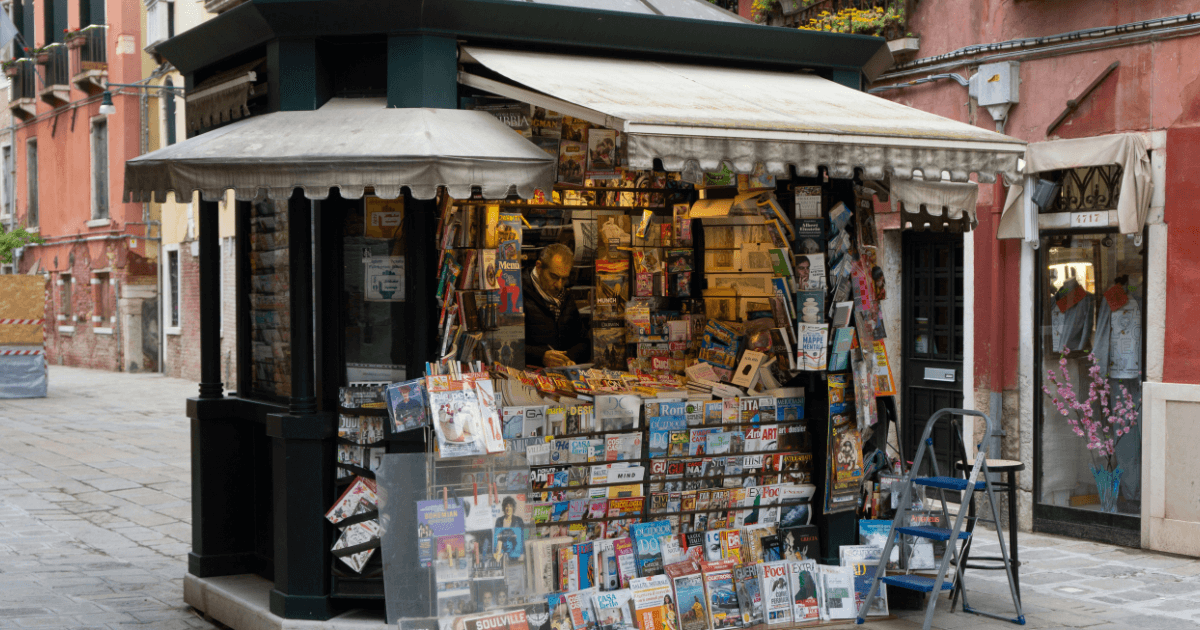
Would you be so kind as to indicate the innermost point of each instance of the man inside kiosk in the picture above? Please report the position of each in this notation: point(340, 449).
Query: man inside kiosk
point(554, 334)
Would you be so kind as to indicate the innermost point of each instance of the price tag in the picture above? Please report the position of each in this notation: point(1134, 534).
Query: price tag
point(1096, 218)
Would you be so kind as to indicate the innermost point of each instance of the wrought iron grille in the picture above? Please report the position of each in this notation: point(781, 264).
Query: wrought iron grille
point(57, 67)
point(94, 54)
point(24, 85)
point(1090, 188)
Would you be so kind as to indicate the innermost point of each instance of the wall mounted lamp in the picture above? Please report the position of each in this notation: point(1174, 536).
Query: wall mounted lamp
point(106, 103)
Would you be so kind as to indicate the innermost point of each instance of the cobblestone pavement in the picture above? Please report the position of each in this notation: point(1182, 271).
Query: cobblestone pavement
point(95, 504)
point(95, 528)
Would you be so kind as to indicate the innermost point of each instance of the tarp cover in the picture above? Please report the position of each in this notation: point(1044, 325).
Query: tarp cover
point(936, 205)
point(22, 376)
point(349, 144)
point(677, 112)
point(1127, 150)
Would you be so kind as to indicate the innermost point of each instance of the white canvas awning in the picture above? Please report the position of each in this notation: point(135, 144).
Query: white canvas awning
point(349, 144)
point(1127, 150)
point(678, 113)
point(936, 206)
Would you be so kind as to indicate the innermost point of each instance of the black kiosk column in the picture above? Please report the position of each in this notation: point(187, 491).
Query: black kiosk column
point(222, 442)
point(300, 452)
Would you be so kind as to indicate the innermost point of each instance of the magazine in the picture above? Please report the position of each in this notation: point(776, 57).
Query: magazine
point(618, 412)
point(864, 574)
point(613, 609)
point(457, 418)
point(724, 611)
point(749, 596)
point(690, 599)
point(776, 593)
point(805, 585)
point(648, 548)
point(357, 534)
point(653, 603)
point(837, 592)
point(407, 405)
point(579, 605)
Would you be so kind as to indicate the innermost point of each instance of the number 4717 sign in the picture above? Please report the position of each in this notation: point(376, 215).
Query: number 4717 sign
point(1095, 218)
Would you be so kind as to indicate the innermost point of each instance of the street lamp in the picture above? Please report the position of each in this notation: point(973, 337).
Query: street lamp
point(106, 105)
point(107, 108)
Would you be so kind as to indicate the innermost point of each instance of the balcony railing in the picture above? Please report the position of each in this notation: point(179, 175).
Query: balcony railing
point(24, 84)
point(57, 72)
point(94, 54)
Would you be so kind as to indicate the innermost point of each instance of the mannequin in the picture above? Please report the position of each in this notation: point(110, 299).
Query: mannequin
point(1118, 350)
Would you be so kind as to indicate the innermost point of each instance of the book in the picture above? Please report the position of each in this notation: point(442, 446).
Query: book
point(800, 542)
point(747, 370)
point(572, 160)
point(613, 609)
point(603, 155)
point(805, 585)
point(690, 599)
point(813, 352)
point(652, 603)
point(508, 282)
point(837, 592)
point(839, 351)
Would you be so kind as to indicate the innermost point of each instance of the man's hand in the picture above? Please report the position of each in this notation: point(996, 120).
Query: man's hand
point(556, 358)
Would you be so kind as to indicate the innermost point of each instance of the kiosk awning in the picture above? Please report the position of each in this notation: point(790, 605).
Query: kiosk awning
point(936, 206)
point(678, 113)
point(349, 144)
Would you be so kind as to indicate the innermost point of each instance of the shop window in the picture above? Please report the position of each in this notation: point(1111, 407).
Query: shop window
point(373, 254)
point(1091, 314)
point(31, 174)
point(171, 290)
point(99, 169)
point(269, 301)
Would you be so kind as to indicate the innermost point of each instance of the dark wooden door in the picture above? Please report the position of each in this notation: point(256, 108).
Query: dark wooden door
point(933, 312)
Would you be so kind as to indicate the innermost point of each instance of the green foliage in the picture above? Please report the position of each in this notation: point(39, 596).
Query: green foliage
point(885, 21)
point(10, 240)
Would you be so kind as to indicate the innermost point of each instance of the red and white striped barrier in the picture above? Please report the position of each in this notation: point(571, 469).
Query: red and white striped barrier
point(20, 322)
point(19, 353)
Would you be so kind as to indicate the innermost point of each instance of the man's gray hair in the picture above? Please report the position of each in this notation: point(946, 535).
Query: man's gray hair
point(556, 249)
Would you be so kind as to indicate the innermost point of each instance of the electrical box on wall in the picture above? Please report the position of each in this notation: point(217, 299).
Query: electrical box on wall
point(997, 87)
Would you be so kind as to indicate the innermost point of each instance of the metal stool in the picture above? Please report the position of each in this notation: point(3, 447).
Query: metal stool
point(1009, 468)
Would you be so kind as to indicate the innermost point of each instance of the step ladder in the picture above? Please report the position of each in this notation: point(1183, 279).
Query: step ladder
point(953, 537)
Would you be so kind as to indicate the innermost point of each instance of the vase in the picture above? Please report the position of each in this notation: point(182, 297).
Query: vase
point(1108, 485)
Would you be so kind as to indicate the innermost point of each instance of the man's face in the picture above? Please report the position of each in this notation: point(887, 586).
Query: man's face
point(802, 270)
point(553, 277)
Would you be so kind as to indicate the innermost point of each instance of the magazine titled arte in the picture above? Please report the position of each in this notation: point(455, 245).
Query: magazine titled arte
point(457, 417)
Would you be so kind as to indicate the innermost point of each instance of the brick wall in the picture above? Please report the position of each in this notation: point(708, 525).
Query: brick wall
point(87, 345)
point(182, 352)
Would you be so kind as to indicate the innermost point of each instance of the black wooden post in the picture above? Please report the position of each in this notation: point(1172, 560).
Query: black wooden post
point(301, 451)
point(222, 453)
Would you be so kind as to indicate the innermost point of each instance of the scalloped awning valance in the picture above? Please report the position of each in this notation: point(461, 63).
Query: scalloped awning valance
point(349, 144)
point(680, 113)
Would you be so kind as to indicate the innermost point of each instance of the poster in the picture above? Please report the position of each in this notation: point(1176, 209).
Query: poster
point(383, 218)
point(383, 278)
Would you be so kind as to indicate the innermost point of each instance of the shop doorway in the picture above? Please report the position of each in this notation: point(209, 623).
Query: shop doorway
point(1090, 310)
point(932, 372)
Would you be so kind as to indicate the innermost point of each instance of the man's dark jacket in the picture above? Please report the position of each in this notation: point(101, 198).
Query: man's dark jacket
point(543, 331)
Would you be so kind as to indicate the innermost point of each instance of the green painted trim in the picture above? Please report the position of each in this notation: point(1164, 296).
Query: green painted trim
point(296, 80)
point(849, 78)
point(422, 71)
point(523, 25)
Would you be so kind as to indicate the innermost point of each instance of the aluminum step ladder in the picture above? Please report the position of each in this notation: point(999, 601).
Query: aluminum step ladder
point(954, 536)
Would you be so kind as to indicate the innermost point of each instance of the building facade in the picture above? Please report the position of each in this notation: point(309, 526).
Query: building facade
point(100, 254)
point(1075, 79)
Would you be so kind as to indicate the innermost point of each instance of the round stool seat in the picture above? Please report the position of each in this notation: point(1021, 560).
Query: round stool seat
point(995, 465)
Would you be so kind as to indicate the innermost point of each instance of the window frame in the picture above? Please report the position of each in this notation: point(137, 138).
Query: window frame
point(32, 189)
point(171, 290)
point(103, 303)
point(7, 181)
point(66, 302)
point(101, 200)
